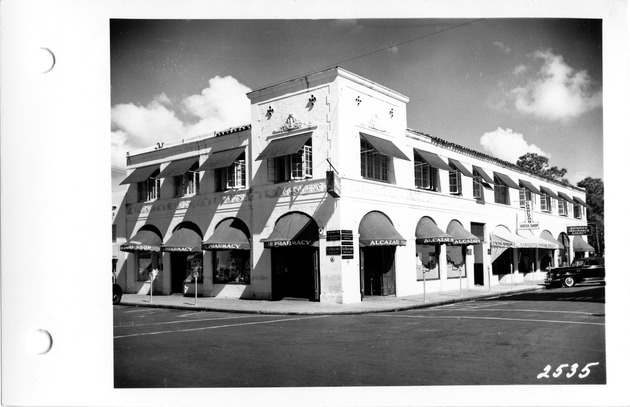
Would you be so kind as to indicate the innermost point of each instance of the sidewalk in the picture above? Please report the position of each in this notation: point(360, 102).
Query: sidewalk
point(305, 307)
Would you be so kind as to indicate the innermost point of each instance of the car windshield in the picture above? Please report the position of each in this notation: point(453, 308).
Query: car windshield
point(579, 262)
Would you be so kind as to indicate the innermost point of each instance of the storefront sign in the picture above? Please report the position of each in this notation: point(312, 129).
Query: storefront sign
point(435, 240)
point(211, 246)
point(138, 248)
point(528, 226)
point(466, 241)
point(346, 235)
point(333, 235)
point(285, 243)
point(333, 251)
point(347, 249)
point(579, 230)
point(180, 249)
point(385, 242)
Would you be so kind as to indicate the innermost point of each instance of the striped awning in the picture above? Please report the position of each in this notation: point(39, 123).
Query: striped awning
point(427, 232)
point(460, 235)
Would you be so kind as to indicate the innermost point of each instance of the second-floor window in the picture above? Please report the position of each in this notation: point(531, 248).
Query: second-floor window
point(525, 194)
point(425, 174)
point(477, 185)
point(149, 189)
point(373, 164)
point(293, 166)
point(501, 192)
point(455, 182)
point(577, 211)
point(545, 203)
point(233, 176)
point(562, 207)
point(187, 183)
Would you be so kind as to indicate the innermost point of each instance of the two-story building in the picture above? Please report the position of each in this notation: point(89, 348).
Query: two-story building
point(327, 195)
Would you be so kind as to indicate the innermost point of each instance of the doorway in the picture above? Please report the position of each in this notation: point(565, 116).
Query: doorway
point(295, 272)
point(378, 271)
point(178, 271)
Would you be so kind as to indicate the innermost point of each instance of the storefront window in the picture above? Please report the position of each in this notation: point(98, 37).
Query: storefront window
point(145, 265)
point(231, 267)
point(455, 261)
point(427, 262)
point(194, 262)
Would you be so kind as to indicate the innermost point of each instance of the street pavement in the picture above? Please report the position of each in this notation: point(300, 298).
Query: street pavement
point(305, 307)
point(544, 337)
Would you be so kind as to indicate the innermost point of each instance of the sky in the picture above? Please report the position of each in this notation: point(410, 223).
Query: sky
point(504, 87)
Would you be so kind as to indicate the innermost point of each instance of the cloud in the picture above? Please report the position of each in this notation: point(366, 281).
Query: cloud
point(519, 69)
point(508, 145)
point(221, 105)
point(502, 47)
point(556, 91)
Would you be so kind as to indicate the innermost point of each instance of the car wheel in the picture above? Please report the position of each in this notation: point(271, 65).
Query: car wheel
point(568, 282)
point(116, 294)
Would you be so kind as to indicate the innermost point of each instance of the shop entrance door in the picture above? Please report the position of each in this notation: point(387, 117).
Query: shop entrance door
point(295, 273)
point(378, 270)
point(178, 271)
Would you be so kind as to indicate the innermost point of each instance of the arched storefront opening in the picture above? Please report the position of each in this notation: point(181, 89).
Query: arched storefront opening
point(186, 256)
point(500, 256)
point(378, 239)
point(545, 255)
point(230, 246)
point(429, 240)
point(145, 245)
point(580, 247)
point(294, 244)
point(564, 252)
point(456, 250)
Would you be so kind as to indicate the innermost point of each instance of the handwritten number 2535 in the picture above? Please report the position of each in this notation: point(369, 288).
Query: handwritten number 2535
point(583, 373)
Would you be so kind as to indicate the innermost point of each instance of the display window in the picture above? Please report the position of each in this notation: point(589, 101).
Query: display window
point(455, 261)
point(427, 262)
point(231, 267)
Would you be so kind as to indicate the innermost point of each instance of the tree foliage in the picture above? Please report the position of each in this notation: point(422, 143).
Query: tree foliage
point(595, 212)
point(539, 164)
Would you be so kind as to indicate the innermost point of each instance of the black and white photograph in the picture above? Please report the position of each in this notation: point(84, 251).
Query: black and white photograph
point(397, 205)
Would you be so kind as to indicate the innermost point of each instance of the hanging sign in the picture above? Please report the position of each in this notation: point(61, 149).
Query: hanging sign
point(529, 221)
point(579, 230)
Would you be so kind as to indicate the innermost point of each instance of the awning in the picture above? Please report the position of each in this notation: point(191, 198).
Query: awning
point(284, 146)
point(183, 240)
point(503, 238)
point(376, 230)
point(507, 180)
point(549, 192)
point(427, 232)
point(528, 185)
point(538, 241)
point(460, 167)
point(433, 159)
point(384, 147)
point(580, 201)
point(221, 159)
point(178, 167)
point(549, 237)
point(294, 229)
point(566, 197)
point(460, 235)
point(487, 178)
point(144, 241)
point(579, 245)
point(230, 234)
point(140, 174)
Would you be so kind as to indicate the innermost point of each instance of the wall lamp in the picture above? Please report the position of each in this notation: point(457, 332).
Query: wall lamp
point(270, 111)
point(358, 100)
point(391, 113)
point(312, 100)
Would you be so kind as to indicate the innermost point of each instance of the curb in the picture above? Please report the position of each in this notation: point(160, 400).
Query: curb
point(349, 312)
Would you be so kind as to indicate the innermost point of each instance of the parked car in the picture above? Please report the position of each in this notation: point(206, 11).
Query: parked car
point(587, 269)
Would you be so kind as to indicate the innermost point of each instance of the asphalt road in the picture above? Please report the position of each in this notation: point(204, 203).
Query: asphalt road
point(546, 337)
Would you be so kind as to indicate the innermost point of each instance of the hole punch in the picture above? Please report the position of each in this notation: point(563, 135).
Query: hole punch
point(39, 341)
point(46, 60)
